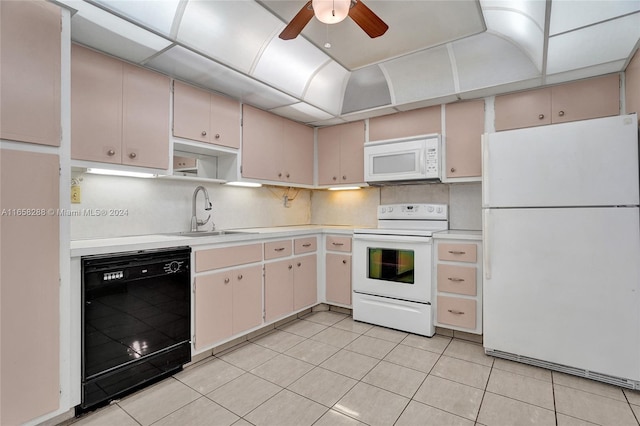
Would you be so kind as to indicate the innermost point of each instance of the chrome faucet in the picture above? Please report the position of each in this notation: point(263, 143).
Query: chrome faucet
point(207, 206)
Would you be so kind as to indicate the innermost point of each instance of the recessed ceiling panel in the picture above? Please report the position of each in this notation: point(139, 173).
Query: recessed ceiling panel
point(422, 75)
point(326, 88)
point(233, 32)
point(597, 44)
point(188, 66)
point(155, 14)
point(103, 31)
point(367, 88)
point(569, 15)
point(533, 9)
point(519, 28)
point(289, 64)
point(413, 26)
point(488, 60)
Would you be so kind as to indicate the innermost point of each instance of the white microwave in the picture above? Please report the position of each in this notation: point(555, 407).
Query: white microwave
point(402, 160)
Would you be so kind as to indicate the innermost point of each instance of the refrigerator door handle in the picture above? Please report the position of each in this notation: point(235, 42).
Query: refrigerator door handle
point(486, 251)
point(484, 146)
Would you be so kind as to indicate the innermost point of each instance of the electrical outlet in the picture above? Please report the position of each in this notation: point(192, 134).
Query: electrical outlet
point(75, 194)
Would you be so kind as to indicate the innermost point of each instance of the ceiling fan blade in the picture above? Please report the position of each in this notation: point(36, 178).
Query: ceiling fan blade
point(298, 23)
point(367, 20)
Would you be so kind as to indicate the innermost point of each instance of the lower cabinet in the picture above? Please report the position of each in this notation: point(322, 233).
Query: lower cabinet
point(338, 269)
point(289, 285)
point(227, 303)
point(459, 285)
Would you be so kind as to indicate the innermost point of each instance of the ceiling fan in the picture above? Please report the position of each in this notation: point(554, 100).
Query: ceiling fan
point(332, 12)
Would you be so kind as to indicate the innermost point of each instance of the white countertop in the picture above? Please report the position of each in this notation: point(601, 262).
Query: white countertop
point(154, 241)
point(458, 234)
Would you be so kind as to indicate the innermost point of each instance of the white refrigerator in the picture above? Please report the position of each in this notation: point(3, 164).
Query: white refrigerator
point(562, 247)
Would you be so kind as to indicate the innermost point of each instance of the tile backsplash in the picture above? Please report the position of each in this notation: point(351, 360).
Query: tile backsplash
point(155, 206)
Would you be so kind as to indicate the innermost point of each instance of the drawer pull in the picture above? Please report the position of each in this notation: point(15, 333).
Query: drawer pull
point(457, 252)
point(290, 266)
point(455, 280)
point(240, 276)
point(299, 264)
point(279, 249)
point(344, 262)
point(306, 245)
point(337, 244)
point(452, 311)
point(226, 280)
point(541, 116)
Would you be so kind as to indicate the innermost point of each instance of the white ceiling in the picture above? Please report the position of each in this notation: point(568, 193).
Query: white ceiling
point(433, 52)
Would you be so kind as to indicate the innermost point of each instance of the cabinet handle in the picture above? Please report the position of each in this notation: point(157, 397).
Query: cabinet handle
point(290, 266)
point(455, 280)
point(288, 175)
point(541, 116)
point(335, 178)
point(279, 248)
point(453, 169)
point(132, 155)
point(111, 153)
point(299, 264)
point(204, 133)
point(561, 113)
point(226, 280)
point(452, 311)
point(240, 277)
point(457, 252)
point(306, 245)
point(337, 244)
point(217, 136)
point(344, 261)
point(279, 174)
point(344, 177)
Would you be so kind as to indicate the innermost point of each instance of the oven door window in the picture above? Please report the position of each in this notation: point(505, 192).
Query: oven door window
point(391, 265)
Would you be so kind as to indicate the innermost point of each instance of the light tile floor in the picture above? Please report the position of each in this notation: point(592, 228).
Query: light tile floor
point(326, 369)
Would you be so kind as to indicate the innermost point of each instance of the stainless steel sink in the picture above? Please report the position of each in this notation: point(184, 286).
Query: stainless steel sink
point(209, 233)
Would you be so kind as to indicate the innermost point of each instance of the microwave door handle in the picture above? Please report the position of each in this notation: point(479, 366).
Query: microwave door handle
point(423, 161)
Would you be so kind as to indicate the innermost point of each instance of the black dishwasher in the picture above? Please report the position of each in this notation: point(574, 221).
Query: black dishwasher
point(136, 321)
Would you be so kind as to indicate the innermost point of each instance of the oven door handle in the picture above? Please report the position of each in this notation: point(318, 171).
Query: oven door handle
point(392, 238)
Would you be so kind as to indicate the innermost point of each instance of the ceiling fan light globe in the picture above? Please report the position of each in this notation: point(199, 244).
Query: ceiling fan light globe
point(331, 11)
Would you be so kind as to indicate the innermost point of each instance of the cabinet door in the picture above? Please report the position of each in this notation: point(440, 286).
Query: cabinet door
point(213, 308)
point(225, 121)
point(305, 281)
point(464, 129)
point(191, 112)
point(278, 289)
point(261, 144)
point(632, 85)
point(30, 78)
point(145, 126)
point(329, 155)
point(581, 100)
point(338, 276)
point(96, 106)
point(524, 109)
point(403, 124)
point(29, 285)
point(247, 298)
point(352, 153)
point(297, 153)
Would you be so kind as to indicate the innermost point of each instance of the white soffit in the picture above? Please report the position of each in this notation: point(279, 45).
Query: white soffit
point(326, 88)
point(593, 45)
point(155, 14)
point(423, 75)
point(302, 112)
point(289, 64)
point(186, 65)
point(233, 32)
point(103, 31)
point(488, 60)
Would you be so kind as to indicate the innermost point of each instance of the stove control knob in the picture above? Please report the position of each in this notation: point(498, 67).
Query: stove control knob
point(439, 209)
point(383, 209)
point(390, 209)
point(430, 209)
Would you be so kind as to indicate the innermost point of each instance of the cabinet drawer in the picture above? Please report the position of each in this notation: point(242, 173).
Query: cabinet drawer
point(277, 249)
point(227, 256)
point(457, 312)
point(458, 252)
point(305, 245)
point(338, 243)
point(457, 279)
